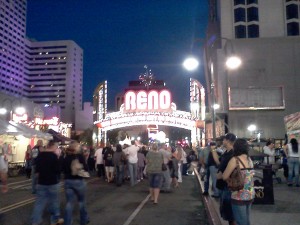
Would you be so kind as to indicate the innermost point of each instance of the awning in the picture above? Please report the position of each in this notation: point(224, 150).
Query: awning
point(12, 128)
point(59, 137)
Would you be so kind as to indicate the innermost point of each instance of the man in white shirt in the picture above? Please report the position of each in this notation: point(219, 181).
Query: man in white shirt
point(270, 151)
point(132, 158)
point(99, 162)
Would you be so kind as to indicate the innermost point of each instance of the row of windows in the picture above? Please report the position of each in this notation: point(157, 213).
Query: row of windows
point(46, 74)
point(11, 91)
point(47, 58)
point(20, 25)
point(43, 80)
point(245, 15)
point(39, 91)
point(10, 74)
point(4, 37)
point(246, 19)
point(46, 47)
point(244, 2)
point(48, 96)
point(45, 85)
point(50, 102)
point(46, 63)
point(13, 14)
point(45, 53)
point(44, 69)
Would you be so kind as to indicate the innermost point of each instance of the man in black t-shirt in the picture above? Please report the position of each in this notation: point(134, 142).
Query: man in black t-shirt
point(47, 171)
point(108, 153)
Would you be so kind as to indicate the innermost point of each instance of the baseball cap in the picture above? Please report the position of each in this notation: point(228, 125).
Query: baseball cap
point(230, 137)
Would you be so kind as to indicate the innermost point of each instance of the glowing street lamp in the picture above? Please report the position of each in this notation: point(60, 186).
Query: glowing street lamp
point(190, 64)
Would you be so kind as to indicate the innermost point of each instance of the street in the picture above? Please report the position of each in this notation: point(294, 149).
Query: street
point(111, 205)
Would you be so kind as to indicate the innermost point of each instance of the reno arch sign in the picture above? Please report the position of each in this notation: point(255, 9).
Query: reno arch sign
point(147, 101)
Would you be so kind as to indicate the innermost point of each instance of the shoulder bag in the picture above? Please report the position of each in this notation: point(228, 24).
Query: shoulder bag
point(235, 182)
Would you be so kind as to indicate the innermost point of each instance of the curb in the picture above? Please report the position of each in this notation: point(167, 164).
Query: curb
point(213, 216)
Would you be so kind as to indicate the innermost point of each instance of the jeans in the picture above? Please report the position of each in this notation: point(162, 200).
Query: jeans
point(46, 194)
point(101, 171)
point(33, 179)
point(75, 189)
point(293, 164)
point(166, 182)
point(119, 174)
point(213, 174)
point(132, 173)
point(225, 204)
point(206, 182)
point(241, 213)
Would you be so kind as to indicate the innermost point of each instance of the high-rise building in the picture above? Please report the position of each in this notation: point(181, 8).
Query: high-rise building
point(49, 73)
point(54, 75)
point(265, 35)
point(12, 46)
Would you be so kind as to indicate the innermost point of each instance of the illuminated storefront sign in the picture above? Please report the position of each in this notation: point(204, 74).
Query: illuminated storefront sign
point(147, 101)
point(177, 119)
point(53, 121)
point(19, 118)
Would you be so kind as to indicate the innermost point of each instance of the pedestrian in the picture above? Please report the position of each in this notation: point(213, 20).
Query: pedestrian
point(166, 182)
point(27, 160)
point(205, 175)
point(212, 164)
point(241, 200)
point(292, 152)
point(154, 160)
point(140, 165)
point(174, 167)
point(119, 161)
point(180, 162)
point(224, 192)
point(108, 153)
point(74, 169)
point(131, 153)
point(100, 162)
point(34, 154)
point(47, 170)
point(3, 172)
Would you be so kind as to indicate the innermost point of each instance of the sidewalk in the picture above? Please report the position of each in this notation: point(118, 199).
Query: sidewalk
point(285, 211)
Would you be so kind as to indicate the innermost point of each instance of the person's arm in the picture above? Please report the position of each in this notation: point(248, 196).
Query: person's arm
point(230, 167)
point(215, 155)
point(285, 150)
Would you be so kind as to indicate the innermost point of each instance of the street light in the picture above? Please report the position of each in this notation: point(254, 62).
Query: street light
point(10, 105)
point(232, 62)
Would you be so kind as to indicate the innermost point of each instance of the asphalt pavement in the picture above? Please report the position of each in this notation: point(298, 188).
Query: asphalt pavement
point(284, 211)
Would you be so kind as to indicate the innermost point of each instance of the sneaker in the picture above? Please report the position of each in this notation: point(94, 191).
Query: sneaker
point(83, 173)
point(205, 193)
point(59, 221)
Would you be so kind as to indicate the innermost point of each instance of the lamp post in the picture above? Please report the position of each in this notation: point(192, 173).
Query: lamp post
point(231, 62)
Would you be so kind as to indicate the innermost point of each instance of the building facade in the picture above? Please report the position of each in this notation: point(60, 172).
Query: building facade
point(49, 73)
point(265, 35)
point(54, 75)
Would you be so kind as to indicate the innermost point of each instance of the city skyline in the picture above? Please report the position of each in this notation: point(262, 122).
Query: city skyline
point(118, 38)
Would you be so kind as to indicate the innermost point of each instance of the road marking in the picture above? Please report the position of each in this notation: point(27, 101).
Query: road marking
point(136, 211)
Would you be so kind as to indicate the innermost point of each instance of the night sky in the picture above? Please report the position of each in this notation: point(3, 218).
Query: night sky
point(119, 37)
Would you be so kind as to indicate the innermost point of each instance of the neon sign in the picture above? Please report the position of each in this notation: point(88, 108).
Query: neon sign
point(147, 101)
point(19, 118)
point(52, 121)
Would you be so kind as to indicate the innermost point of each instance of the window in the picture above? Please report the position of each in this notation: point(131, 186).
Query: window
point(253, 31)
point(239, 2)
point(292, 17)
point(293, 29)
point(239, 15)
point(251, 2)
point(240, 31)
point(292, 11)
point(252, 14)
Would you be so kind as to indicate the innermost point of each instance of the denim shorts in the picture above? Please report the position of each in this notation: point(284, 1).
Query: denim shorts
point(155, 180)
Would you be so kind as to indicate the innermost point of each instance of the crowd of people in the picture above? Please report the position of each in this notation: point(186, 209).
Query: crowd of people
point(218, 161)
point(163, 166)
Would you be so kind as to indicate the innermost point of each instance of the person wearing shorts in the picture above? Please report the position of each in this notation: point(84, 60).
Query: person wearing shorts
point(154, 160)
